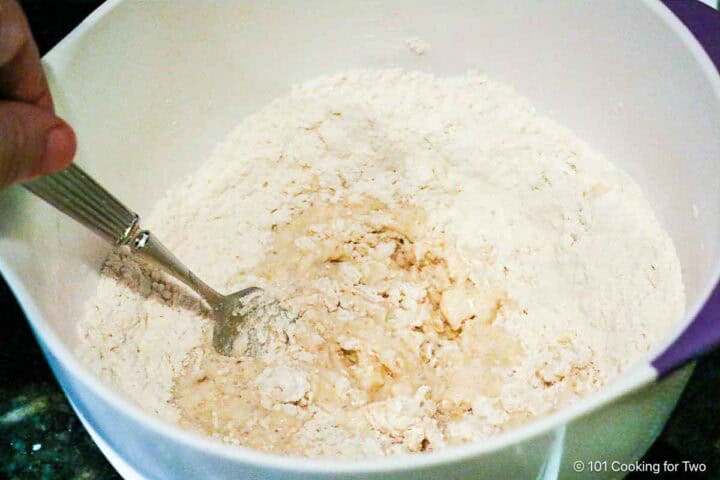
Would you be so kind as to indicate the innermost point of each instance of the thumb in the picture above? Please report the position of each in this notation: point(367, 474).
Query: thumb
point(33, 142)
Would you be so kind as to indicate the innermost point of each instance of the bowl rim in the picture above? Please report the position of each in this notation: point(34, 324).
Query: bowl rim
point(636, 377)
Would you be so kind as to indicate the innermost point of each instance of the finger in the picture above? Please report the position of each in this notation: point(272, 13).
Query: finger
point(33, 142)
point(21, 74)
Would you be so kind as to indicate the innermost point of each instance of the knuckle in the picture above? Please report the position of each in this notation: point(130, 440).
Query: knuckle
point(13, 32)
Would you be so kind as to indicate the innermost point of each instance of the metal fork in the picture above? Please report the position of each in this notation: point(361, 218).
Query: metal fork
point(75, 193)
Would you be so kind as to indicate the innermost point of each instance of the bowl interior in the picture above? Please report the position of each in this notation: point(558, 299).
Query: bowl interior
point(151, 86)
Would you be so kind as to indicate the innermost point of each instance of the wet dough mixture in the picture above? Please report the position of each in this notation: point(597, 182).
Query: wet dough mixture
point(458, 265)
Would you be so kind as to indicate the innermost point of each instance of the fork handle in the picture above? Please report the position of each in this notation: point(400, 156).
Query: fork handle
point(75, 193)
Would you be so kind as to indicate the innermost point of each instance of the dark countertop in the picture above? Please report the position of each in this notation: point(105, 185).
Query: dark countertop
point(40, 436)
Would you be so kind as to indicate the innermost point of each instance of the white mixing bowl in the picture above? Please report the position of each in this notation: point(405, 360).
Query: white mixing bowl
point(151, 86)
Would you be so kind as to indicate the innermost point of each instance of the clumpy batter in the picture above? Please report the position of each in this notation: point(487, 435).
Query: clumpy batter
point(458, 265)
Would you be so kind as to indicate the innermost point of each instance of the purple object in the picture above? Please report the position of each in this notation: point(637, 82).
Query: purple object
point(703, 332)
point(702, 21)
point(701, 335)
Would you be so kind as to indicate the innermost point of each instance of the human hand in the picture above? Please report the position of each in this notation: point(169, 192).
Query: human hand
point(33, 140)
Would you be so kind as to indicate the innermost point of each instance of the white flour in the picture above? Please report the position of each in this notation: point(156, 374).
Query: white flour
point(417, 45)
point(458, 263)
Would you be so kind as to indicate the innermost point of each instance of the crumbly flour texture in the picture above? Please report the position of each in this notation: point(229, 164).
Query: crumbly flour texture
point(457, 263)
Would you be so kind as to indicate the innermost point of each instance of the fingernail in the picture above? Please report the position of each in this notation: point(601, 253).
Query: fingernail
point(59, 150)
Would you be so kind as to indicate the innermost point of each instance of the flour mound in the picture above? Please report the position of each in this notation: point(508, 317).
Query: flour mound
point(456, 265)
